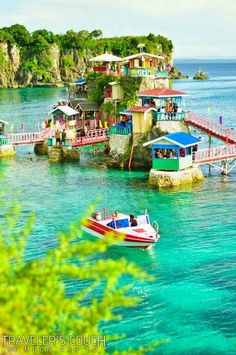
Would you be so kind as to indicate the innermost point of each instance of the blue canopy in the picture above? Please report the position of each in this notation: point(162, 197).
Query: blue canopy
point(180, 139)
point(80, 81)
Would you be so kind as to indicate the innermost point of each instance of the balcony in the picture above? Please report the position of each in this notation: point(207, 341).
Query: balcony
point(169, 116)
point(146, 72)
point(4, 140)
point(124, 131)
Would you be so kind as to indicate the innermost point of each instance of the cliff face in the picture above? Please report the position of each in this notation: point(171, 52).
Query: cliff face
point(51, 67)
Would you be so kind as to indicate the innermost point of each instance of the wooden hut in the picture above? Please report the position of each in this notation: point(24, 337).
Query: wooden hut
point(173, 152)
point(142, 118)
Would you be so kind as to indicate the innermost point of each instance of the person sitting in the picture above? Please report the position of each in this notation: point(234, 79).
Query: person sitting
point(133, 221)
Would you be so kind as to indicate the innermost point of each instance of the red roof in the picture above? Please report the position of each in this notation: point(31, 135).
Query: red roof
point(140, 109)
point(162, 93)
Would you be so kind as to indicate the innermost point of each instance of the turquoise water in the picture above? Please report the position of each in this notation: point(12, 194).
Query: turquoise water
point(192, 301)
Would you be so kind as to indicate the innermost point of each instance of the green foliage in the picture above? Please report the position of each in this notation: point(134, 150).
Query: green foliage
point(96, 84)
point(131, 87)
point(2, 58)
point(33, 293)
point(19, 33)
point(68, 61)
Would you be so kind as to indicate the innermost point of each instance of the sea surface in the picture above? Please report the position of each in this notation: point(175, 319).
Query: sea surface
point(192, 301)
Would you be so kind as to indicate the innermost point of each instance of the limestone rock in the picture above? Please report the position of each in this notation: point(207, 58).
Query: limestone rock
point(41, 149)
point(200, 75)
point(168, 179)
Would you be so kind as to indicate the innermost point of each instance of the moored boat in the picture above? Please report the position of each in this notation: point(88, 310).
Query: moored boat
point(136, 233)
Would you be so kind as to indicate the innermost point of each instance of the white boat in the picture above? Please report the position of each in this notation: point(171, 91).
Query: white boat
point(142, 235)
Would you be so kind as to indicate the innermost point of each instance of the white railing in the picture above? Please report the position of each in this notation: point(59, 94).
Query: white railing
point(210, 126)
point(215, 153)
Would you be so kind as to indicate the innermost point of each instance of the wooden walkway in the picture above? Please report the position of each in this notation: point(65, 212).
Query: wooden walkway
point(92, 137)
point(210, 127)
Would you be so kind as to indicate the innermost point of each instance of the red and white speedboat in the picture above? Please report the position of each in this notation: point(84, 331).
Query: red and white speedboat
point(118, 226)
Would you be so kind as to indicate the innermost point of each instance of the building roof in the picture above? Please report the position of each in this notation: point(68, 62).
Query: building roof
point(141, 109)
point(143, 54)
point(125, 112)
point(162, 93)
point(180, 139)
point(80, 81)
point(106, 57)
point(4, 122)
point(67, 110)
point(88, 106)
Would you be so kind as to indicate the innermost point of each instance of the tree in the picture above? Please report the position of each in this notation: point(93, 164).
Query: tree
point(33, 297)
point(20, 34)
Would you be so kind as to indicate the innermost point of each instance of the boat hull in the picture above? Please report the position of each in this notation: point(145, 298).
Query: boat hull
point(120, 238)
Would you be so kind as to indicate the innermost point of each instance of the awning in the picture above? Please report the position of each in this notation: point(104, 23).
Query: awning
point(106, 57)
point(67, 110)
point(80, 81)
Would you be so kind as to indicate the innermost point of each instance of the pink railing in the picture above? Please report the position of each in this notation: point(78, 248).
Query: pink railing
point(92, 137)
point(32, 137)
point(209, 126)
point(215, 153)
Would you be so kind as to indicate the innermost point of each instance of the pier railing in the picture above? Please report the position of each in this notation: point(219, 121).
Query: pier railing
point(92, 137)
point(210, 127)
point(4, 140)
point(215, 153)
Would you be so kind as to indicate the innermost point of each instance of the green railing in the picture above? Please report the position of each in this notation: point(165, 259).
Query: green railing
point(148, 72)
point(4, 140)
point(169, 116)
point(120, 130)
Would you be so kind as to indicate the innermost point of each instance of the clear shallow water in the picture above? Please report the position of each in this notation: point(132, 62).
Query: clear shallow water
point(192, 301)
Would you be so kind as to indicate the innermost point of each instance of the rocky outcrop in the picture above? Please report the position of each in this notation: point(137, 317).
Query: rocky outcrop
point(200, 75)
point(172, 126)
point(10, 61)
point(50, 68)
point(168, 179)
point(59, 154)
point(125, 149)
point(176, 74)
point(41, 149)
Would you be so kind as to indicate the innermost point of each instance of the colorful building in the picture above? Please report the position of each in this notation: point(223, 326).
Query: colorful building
point(169, 104)
point(173, 152)
point(142, 118)
point(106, 63)
point(145, 65)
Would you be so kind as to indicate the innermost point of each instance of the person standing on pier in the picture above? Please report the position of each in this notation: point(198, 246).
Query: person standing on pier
point(63, 137)
point(58, 137)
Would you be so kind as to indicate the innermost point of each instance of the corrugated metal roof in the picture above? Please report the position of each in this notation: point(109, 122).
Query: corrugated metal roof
point(67, 110)
point(88, 106)
point(162, 93)
point(143, 54)
point(141, 109)
point(181, 139)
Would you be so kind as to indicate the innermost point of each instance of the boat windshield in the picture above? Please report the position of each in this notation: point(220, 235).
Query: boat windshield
point(119, 223)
